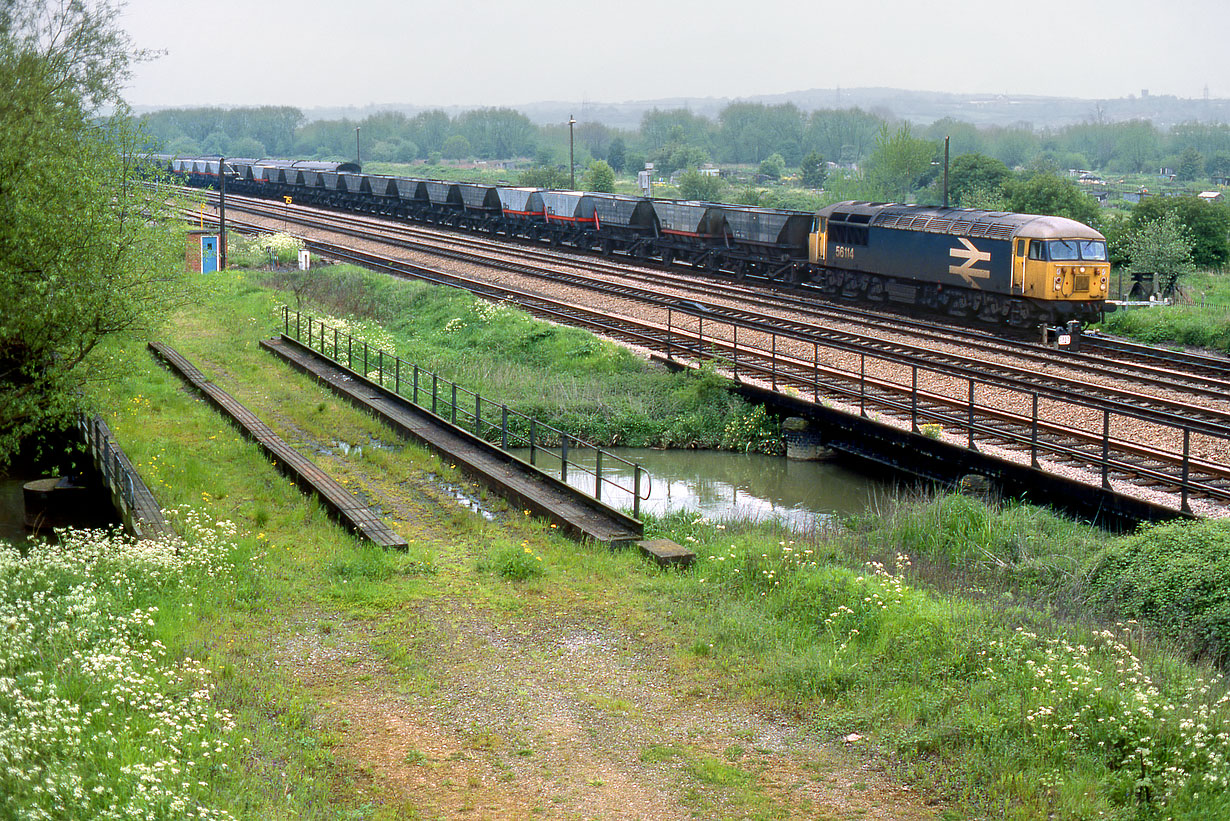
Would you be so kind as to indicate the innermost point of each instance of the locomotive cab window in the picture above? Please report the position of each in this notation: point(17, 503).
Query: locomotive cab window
point(1064, 250)
point(1070, 250)
point(843, 234)
point(1094, 250)
point(1037, 250)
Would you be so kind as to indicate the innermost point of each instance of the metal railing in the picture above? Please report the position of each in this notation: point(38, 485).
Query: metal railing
point(706, 335)
point(493, 422)
point(137, 503)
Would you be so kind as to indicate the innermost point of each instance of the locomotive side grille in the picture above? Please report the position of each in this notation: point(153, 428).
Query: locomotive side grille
point(999, 230)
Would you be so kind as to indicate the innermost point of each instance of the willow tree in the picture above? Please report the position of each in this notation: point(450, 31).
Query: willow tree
point(86, 253)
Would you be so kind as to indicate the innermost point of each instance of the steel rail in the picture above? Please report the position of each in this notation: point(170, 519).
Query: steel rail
point(658, 337)
point(1144, 407)
point(651, 336)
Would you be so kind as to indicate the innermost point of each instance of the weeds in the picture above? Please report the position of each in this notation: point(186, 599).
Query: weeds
point(95, 713)
point(998, 707)
point(516, 563)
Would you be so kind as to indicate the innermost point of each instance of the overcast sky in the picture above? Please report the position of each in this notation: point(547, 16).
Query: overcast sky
point(486, 52)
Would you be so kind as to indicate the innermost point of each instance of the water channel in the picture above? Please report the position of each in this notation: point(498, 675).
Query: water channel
point(716, 484)
point(12, 511)
point(722, 485)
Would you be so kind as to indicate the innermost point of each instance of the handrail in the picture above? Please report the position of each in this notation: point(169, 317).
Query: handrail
point(463, 407)
point(734, 354)
point(120, 476)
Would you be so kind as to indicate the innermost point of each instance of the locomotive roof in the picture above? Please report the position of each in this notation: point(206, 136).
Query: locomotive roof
point(960, 221)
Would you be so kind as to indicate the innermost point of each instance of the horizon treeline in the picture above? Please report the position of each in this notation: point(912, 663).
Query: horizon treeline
point(673, 139)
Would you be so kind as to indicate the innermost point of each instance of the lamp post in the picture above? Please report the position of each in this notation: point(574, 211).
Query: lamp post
point(221, 213)
point(222, 175)
point(358, 158)
point(945, 171)
point(572, 168)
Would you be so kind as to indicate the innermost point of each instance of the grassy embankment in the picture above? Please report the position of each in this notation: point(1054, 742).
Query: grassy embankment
point(1200, 319)
point(972, 651)
point(565, 377)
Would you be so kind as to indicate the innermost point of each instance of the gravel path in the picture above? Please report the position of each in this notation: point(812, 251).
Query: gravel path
point(559, 707)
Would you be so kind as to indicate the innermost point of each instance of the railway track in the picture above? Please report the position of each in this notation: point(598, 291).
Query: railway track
point(1015, 426)
point(1154, 367)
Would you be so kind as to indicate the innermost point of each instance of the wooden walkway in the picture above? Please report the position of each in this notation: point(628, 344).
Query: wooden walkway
point(524, 485)
point(352, 512)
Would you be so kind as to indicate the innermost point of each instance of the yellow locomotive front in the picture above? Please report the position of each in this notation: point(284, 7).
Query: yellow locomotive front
point(1056, 259)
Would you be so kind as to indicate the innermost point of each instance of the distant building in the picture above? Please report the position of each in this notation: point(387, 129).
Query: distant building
point(1211, 196)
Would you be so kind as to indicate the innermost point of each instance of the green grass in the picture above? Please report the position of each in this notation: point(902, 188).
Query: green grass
point(1003, 708)
point(976, 647)
point(565, 377)
point(1201, 319)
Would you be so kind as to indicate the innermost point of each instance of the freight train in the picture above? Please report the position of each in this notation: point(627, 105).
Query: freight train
point(992, 266)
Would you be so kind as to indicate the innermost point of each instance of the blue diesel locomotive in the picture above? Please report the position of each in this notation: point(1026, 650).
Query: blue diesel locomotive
point(996, 267)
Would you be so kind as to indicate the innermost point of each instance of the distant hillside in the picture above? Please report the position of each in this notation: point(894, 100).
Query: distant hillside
point(915, 106)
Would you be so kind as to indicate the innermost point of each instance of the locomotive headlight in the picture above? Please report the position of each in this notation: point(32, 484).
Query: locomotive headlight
point(1105, 280)
point(1082, 269)
point(1058, 281)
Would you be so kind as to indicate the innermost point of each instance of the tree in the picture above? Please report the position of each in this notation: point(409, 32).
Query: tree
point(599, 178)
point(1014, 146)
point(749, 132)
point(430, 129)
point(773, 166)
point(975, 172)
point(984, 198)
point(85, 253)
point(498, 133)
point(247, 147)
point(900, 163)
point(846, 135)
point(676, 125)
point(456, 147)
point(694, 185)
point(216, 143)
point(673, 156)
point(1218, 164)
point(543, 176)
point(1138, 146)
point(595, 136)
point(1207, 223)
point(1191, 164)
point(1160, 246)
point(617, 154)
point(813, 170)
point(1054, 196)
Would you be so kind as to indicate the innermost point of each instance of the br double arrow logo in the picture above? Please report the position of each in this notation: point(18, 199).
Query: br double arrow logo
point(972, 256)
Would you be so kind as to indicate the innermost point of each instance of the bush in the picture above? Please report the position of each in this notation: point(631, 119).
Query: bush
point(1174, 577)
